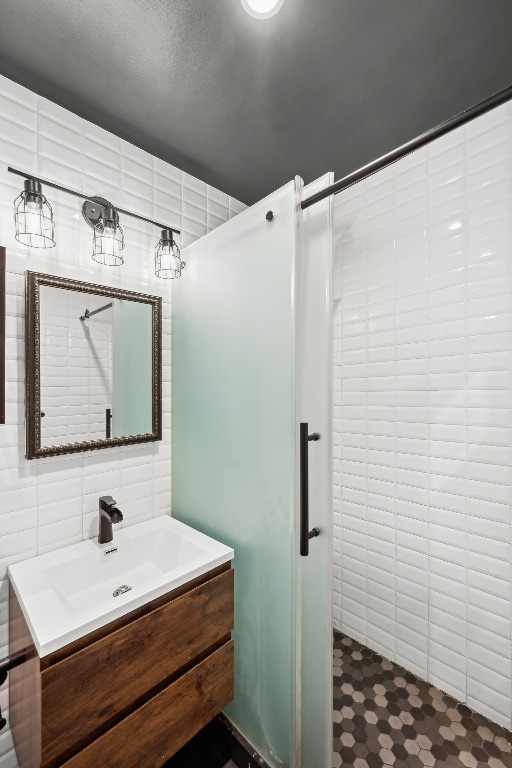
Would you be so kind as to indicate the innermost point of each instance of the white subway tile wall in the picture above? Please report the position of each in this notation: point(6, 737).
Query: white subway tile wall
point(422, 413)
point(49, 503)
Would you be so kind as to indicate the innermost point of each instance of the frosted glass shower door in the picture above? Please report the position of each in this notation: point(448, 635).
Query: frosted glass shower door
point(233, 426)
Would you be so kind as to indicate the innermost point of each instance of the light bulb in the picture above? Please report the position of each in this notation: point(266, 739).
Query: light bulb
point(108, 230)
point(108, 240)
point(33, 216)
point(168, 263)
point(33, 209)
point(262, 9)
point(110, 246)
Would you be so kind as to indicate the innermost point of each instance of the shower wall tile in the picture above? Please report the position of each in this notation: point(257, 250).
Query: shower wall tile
point(422, 419)
point(50, 503)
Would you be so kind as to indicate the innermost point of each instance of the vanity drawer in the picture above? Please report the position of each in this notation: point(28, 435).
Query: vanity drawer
point(91, 690)
point(158, 729)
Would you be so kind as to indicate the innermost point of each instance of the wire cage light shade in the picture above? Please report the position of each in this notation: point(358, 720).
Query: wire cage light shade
point(108, 241)
point(168, 263)
point(33, 217)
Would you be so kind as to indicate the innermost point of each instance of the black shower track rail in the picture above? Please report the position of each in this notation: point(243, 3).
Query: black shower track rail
point(397, 154)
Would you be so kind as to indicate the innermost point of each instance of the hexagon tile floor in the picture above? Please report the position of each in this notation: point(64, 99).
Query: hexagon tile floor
point(385, 716)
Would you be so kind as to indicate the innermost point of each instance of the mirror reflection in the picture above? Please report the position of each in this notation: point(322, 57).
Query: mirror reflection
point(96, 367)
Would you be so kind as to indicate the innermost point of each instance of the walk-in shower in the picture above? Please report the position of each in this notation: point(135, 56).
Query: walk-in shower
point(422, 433)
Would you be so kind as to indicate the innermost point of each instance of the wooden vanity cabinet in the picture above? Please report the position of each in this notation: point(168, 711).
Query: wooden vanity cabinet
point(131, 693)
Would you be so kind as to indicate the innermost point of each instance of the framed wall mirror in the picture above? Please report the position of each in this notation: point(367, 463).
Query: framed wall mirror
point(93, 366)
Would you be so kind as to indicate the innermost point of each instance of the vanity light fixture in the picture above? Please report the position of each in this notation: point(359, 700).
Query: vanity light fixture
point(108, 240)
point(262, 9)
point(35, 227)
point(33, 217)
point(168, 263)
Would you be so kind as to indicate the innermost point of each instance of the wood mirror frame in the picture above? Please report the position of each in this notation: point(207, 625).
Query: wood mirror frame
point(33, 283)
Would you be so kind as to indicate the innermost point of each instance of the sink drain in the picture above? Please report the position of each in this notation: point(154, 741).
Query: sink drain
point(121, 590)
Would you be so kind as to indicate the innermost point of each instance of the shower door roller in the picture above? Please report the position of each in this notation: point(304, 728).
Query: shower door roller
point(305, 534)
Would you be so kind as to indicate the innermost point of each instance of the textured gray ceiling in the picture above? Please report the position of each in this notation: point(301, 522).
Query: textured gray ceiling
point(246, 104)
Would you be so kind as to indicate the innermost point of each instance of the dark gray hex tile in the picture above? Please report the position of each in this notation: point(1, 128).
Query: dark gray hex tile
point(420, 726)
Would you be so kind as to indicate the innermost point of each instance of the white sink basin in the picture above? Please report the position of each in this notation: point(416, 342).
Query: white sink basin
point(68, 593)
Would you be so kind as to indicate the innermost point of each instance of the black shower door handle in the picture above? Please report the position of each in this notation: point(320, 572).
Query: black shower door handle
point(305, 533)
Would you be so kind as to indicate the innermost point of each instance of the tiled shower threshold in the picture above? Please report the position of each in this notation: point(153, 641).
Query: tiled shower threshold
point(385, 716)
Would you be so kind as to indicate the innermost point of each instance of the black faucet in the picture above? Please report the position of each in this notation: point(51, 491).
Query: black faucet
point(109, 514)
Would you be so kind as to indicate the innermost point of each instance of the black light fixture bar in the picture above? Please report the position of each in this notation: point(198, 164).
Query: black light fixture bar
point(397, 154)
point(73, 192)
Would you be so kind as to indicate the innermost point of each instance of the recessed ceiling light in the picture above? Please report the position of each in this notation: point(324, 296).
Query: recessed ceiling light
point(262, 9)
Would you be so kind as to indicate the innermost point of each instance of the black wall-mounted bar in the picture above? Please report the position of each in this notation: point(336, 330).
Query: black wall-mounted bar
point(397, 154)
point(6, 664)
point(11, 661)
point(73, 192)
